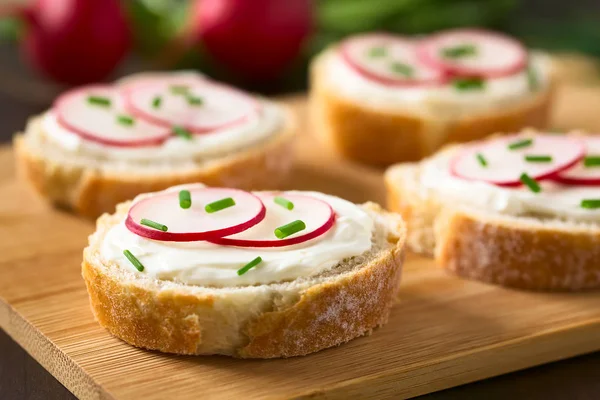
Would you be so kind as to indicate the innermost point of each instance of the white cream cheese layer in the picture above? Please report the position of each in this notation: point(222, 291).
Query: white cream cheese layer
point(206, 264)
point(555, 200)
point(441, 101)
point(266, 123)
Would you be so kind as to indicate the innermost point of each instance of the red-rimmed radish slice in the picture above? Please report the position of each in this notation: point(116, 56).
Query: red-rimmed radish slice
point(194, 223)
point(317, 215)
point(96, 114)
point(388, 59)
point(473, 52)
point(582, 174)
point(495, 162)
point(200, 107)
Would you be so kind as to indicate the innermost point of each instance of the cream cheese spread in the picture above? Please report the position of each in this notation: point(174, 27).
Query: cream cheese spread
point(555, 200)
point(206, 264)
point(443, 101)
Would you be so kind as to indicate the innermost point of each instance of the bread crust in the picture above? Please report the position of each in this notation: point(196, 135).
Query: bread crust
point(522, 254)
point(91, 191)
point(382, 137)
point(180, 319)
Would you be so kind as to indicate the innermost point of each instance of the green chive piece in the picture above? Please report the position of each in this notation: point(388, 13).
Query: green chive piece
point(519, 144)
point(591, 161)
point(284, 203)
point(248, 266)
point(179, 89)
point(532, 79)
point(464, 84)
point(531, 183)
point(184, 133)
point(136, 263)
point(156, 102)
point(125, 120)
point(590, 203)
point(402, 69)
point(185, 199)
point(536, 158)
point(289, 229)
point(99, 101)
point(482, 160)
point(377, 52)
point(219, 205)
point(154, 225)
point(460, 51)
point(195, 101)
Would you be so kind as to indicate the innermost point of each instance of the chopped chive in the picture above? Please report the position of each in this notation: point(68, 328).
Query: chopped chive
point(185, 199)
point(469, 84)
point(99, 101)
point(532, 79)
point(284, 203)
point(156, 102)
point(481, 160)
point(248, 266)
point(531, 183)
point(179, 89)
point(536, 158)
point(219, 205)
point(136, 263)
point(459, 51)
point(289, 229)
point(125, 120)
point(519, 144)
point(591, 161)
point(195, 101)
point(402, 69)
point(154, 225)
point(184, 133)
point(590, 203)
point(377, 52)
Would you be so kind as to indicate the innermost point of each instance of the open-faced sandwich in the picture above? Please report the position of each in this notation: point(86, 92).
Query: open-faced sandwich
point(521, 210)
point(199, 270)
point(380, 98)
point(103, 144)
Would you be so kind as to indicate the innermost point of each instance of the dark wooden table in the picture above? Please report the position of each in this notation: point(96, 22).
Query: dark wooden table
point(22, 378)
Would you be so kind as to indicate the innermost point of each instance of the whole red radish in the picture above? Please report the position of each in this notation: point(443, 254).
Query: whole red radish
point(256, 39)
point(75, 41)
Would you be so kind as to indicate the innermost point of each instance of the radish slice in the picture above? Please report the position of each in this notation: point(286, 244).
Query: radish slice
point(317, 215)
point(504, 166)
point(471, 52)
point(195, 223)
point(389, 60)
point(98, 121)
point(199, 106)
point(581, 174)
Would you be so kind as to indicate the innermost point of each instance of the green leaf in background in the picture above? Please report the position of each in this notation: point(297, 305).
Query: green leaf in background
point(156, 22)
point(10, 29)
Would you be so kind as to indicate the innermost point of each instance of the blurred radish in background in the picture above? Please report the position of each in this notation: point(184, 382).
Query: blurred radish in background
point(74, 41)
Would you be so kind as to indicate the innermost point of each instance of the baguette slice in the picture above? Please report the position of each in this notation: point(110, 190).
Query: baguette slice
point(91, 187)
point(265, 321)
point(379, 136)
point(525, 252)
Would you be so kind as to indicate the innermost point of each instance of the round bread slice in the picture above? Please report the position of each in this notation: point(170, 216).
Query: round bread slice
point(382, 136)
point(92, 186)
point(281, 319)
point(527, 252)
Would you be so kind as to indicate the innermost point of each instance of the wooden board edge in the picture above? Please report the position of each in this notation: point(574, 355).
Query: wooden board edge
point(465, 367)
point(49, 356)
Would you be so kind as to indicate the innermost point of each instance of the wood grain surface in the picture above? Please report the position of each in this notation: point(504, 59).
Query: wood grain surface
point(443, 332)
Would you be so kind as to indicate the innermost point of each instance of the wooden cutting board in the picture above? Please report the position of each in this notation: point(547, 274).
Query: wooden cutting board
point(443, 332)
